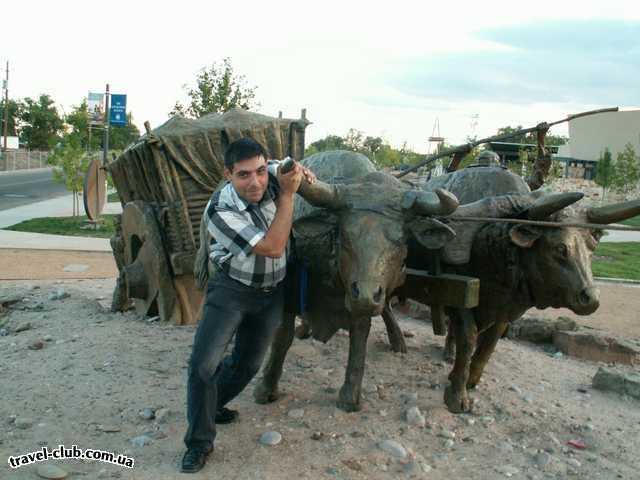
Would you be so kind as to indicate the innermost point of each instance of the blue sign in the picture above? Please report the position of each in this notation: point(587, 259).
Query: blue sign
point(118, 110)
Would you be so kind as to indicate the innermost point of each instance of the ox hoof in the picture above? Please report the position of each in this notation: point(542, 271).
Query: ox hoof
point(262, 394)
point(348, 400)
point(456, 402)
point(348, 406)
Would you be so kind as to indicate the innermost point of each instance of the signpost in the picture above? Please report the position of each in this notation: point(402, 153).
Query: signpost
point(118, 111)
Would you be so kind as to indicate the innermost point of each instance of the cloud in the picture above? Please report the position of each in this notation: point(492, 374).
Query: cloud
point(577, 62)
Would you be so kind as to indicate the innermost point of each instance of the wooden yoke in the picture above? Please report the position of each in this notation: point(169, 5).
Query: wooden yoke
point(440, 290)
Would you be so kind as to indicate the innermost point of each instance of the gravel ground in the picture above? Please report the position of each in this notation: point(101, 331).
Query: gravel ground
point(89, 376)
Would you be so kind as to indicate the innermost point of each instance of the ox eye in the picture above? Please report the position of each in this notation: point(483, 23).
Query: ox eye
point(562, 251)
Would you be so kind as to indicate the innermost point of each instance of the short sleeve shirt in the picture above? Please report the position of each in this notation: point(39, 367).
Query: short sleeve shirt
point(236, 226)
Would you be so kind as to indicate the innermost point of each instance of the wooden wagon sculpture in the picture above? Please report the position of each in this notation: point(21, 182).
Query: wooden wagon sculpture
point(164, 182)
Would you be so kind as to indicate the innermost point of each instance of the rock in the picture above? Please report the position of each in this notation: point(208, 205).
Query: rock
point(574, 463)
point(393, 448)
point(23, 423)
point(52, 472)
point(528, 398)
point(505, 447)
point(415, 417)
point(597, 347)
point(147, 414)
point(296, 413)
point(317, 436)
point(37, 345)
point(515, 388)
point(447, 434)
point(4, 332)
point(449, 443)
point(48, 338)
point(331, 471)
point(507, 470)
point(624, 383)
point(104, 305)
point(426, 468)
point(539, 330)
point(542, 459)
point(58, 294)
point(108, 428)
point(162, 414)
point(23, 327)
point(270, 438)
point(140, 441)
point(353, 464)
point(410, 399)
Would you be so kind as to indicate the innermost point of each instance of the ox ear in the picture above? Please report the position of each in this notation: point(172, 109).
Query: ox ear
point(432, 234)
point(524, 236)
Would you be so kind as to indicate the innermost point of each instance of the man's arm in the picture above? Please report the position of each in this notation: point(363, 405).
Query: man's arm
point(274, 242)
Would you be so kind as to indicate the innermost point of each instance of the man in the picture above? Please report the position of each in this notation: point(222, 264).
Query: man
point(249, 220)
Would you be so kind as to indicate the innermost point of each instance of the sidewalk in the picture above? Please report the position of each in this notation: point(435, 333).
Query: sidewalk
point(55, 207)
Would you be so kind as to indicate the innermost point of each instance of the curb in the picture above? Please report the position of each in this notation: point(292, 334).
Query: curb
point(617, 280)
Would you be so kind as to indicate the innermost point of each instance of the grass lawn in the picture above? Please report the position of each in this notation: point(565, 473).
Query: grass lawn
point(632, 222)
point(617, 260)
point(66, 226)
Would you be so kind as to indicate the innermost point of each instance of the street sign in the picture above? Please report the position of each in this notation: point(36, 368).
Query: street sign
point(118, 110)
point(95, 105)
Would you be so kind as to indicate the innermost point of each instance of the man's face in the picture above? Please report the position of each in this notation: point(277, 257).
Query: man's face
point(249, 177)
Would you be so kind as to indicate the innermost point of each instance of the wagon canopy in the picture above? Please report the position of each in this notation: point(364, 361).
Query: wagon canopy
point(185, 156)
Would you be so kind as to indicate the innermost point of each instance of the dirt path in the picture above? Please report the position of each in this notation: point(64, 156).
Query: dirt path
point(97, 371)
point(29, 264)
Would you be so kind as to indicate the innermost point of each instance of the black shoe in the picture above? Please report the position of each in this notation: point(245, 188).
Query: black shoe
point(194, 459)
point(226, 415)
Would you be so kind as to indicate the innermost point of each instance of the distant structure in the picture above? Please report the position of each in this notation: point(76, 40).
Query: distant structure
point(436, 141)
point(589, 136)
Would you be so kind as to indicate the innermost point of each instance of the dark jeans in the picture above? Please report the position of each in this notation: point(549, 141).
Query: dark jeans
point(231, 308)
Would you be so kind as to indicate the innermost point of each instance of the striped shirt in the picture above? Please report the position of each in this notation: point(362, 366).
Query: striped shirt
point(236, 226)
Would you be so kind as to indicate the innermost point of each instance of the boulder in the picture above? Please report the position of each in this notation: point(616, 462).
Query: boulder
point(624, 383)
point(597, 347)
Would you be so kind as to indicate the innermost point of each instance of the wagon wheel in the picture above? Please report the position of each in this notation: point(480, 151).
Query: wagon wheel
point(146, 271)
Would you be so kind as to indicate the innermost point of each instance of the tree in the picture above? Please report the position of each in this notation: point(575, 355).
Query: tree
point(70, 163)
point(627, 171)
point(531, 138)
point(41, 124)
point(372, 145)
point(121, 136)
point(217, 89)
point(605, 171)
point(330, 142)
point(13, 117)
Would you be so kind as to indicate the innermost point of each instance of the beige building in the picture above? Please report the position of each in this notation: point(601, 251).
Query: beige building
point(589, 136)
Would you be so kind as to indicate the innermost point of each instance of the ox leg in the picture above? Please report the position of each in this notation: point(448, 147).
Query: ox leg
point(466, 334)
point(349, 397)
point(266, 390)
point(396, 338)
point(487, 342)
point(450, 343)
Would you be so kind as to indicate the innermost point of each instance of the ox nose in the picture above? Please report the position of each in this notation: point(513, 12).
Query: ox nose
point(377, 295)
point(589, 299)
point(355, 291)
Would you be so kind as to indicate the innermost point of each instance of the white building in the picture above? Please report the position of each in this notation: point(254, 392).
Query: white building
point(589, 136)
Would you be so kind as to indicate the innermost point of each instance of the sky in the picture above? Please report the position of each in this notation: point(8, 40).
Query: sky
point(389, 69)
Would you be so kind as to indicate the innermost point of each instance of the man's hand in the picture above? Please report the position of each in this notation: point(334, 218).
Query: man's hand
point(309, 176)
point(290, 181)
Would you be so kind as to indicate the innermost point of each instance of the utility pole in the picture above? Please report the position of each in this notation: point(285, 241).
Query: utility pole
point(6, 108)
point(106, 127)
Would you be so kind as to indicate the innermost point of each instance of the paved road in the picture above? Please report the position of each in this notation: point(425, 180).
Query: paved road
point(25, 187)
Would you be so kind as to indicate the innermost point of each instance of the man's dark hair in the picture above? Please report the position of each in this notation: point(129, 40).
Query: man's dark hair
point(242, 149)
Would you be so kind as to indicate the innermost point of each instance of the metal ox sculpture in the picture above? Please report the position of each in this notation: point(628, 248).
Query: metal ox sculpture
point(353, 239)
point(519, 266)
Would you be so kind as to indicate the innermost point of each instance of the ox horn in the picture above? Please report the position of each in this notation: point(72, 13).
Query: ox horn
point(547, 205)
point(321, 194)
point(438, 202)
point(614, 213)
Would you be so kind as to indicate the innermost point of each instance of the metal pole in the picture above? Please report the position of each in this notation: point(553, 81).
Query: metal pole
point(106, 127)
point(6, 107)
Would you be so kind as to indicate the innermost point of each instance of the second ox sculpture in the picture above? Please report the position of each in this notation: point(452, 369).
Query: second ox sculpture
point(519, 266)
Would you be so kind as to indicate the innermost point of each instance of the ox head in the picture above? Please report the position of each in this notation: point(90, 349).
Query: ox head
point(374, 219)
point(557, 261)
